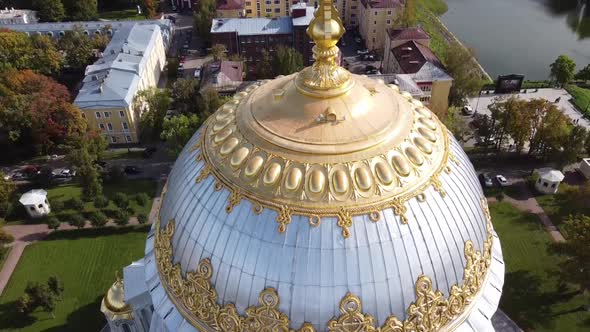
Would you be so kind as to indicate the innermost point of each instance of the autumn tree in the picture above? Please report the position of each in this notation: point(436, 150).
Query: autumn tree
point(549, 130)
point(35, 112)
point(77, 47)
point(150, 8)
point(287, 61)
point(19, 51)
point(460, 65)
point(46, 58)
point(81, 10)
point(562, 70)
point(49, 10)
point(184, 92)
point(152, 104)
point(575, 268)
point(574, 144)
point(264, 66)
point(178, 130)
point(219, 52)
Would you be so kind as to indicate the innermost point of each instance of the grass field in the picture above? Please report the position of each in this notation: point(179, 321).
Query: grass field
point(67, 191)
point(86, 262)
point(125, 14)
point(581, 98)
point(532, 295)
point(559, 206)
point(437, 7)
point(122, 154)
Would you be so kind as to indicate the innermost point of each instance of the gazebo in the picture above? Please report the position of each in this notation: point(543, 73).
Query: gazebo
point(549, 180)
point(35, 202)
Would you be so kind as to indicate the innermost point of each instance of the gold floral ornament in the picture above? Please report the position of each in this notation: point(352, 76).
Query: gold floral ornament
point(196, 297)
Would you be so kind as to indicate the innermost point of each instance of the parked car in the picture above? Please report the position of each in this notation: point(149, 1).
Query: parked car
point(502, 181)
point(198, 73)
point(68, 173)
point(148, 152)
point(369, 57)
point(130, 170)
point(486, 180)
point(362, 52)
point(468, 110)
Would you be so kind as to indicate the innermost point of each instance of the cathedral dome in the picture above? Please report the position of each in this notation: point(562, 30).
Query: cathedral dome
point(323, 201)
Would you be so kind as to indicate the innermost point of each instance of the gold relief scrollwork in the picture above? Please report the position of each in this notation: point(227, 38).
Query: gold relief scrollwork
point(203, 174)
point(266, 316)
point(234, 199)
point(344, 222)
point(284, 218)
point(352, 318)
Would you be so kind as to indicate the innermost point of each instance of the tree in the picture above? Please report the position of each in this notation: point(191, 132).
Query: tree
point(457, 125)
point(77, 47)
point(409, 16)
point(7, 188)
point(55, 286)
point(75, 203)
point(38, 52)
point(264, 67)
point(97, 219)
point(152, 104)
point(50, 10)
point(460, 65)
point(46, 59)
point(287, 61)
point(202, 18)
point(584, 74)
point(573, 145)
point(101, 202)
point(81, 10)
point(121, 217)
point(185, 94)
point(100, 42)
point(36, 295)
point(562, 70)
point(142, 218)
point(77, 221)
point(178, 130)
point(52, 222)
point(149, 7)
point(121, 200)
point(549, 129)
point(142, 199)
point(86, 151)
point(209, 102)
point(219, 52)
point(575, 268)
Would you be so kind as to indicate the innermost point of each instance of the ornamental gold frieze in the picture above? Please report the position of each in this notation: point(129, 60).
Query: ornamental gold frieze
point(195, 297)
point(338, 186)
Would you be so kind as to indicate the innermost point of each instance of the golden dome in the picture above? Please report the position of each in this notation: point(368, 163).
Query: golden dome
point(113, 303)
point(324, 142)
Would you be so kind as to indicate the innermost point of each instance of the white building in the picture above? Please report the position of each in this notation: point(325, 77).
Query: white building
point(120, 316)
point(35, 202)
point(549, 180)
point(17, 16)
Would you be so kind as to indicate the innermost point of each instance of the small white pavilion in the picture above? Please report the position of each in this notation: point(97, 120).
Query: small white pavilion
point(549, 180)
point(35, 202)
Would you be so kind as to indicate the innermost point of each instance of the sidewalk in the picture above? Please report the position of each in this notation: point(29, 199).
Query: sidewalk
point(27, 234)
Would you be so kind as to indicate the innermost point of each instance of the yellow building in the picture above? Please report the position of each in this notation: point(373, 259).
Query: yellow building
point(132, 62)
point(418, 70)
point(375, 18)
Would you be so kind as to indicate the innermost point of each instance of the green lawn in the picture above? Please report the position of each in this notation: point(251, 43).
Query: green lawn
point(438, 7)
point(86, 262)
point(428, 22)
point(122, 154)
point(532, 296)
point(67, 191)
point(559, 206)
point(118, 15)
point(581, 98)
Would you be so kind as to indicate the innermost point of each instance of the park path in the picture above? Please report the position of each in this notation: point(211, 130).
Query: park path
point(27, 234)
point(528, 203)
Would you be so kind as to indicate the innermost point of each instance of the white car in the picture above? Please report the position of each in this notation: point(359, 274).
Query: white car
point(198, 73)
point(361, 52)
point(501, 180)
point(467, 110)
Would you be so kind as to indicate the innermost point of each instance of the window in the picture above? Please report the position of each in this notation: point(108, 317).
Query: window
point(125, 126)
point(375, 13)
point(554, 185)
point(107, 114)
point(248, 3)
point(98, 116)
point(248, 11)
point(353, 7)
point(32, 208)
point(352, 22)
point(267, 2)
point(277, 10)
point(545, 184)
point(110, 126)
point(277, 2)
point(40, 206)
point(128, 138)
point(375, 22)
point(373, 39)
point(389, 12)
point(374, 31)
point(121, 114)
point(268, 10)
point(353, 15)
point(388, 22)
point(113, 139)
point(101, 126)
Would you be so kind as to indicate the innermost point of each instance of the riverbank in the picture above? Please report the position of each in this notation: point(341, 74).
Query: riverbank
point(440, 36)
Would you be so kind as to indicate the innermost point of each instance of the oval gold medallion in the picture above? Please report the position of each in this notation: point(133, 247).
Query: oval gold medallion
point(401, 165)
point(317, 181)
point(272, 174)
point(222, 135)
point(239, 156)
point(384, 173)
point(293, 180)
point(253, 166)
point(428, 123)
point(364, 180)
point(424, 112)
point(340, 182)
point(414, 156)
point(429, 135)
point(423, 145)
point(229, 146)
point(221, 124)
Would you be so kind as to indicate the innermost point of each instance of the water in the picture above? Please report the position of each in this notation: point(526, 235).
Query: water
point(522, 36)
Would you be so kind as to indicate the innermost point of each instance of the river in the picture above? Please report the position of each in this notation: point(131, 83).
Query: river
point(522, 36)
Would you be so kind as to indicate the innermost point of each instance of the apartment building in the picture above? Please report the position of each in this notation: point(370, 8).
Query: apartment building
point(132, 62)
point(417, 69)
point(375, 18)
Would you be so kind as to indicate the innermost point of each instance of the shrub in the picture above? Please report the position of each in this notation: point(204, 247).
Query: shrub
point(57, 205)
point(142, 218)
point(52, 222)
point(121, 200)
point(101, 202)
point(77, 221)
point(142, 199)
point(75, 204)
point(121, 217)
point(97, 219)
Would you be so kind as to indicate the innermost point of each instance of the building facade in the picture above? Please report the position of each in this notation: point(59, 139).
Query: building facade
point(375, 18)
point(18, 16)
point(417, 69)
point(132, 62)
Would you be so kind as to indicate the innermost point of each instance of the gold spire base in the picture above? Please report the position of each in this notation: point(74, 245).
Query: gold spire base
point(324, 81)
